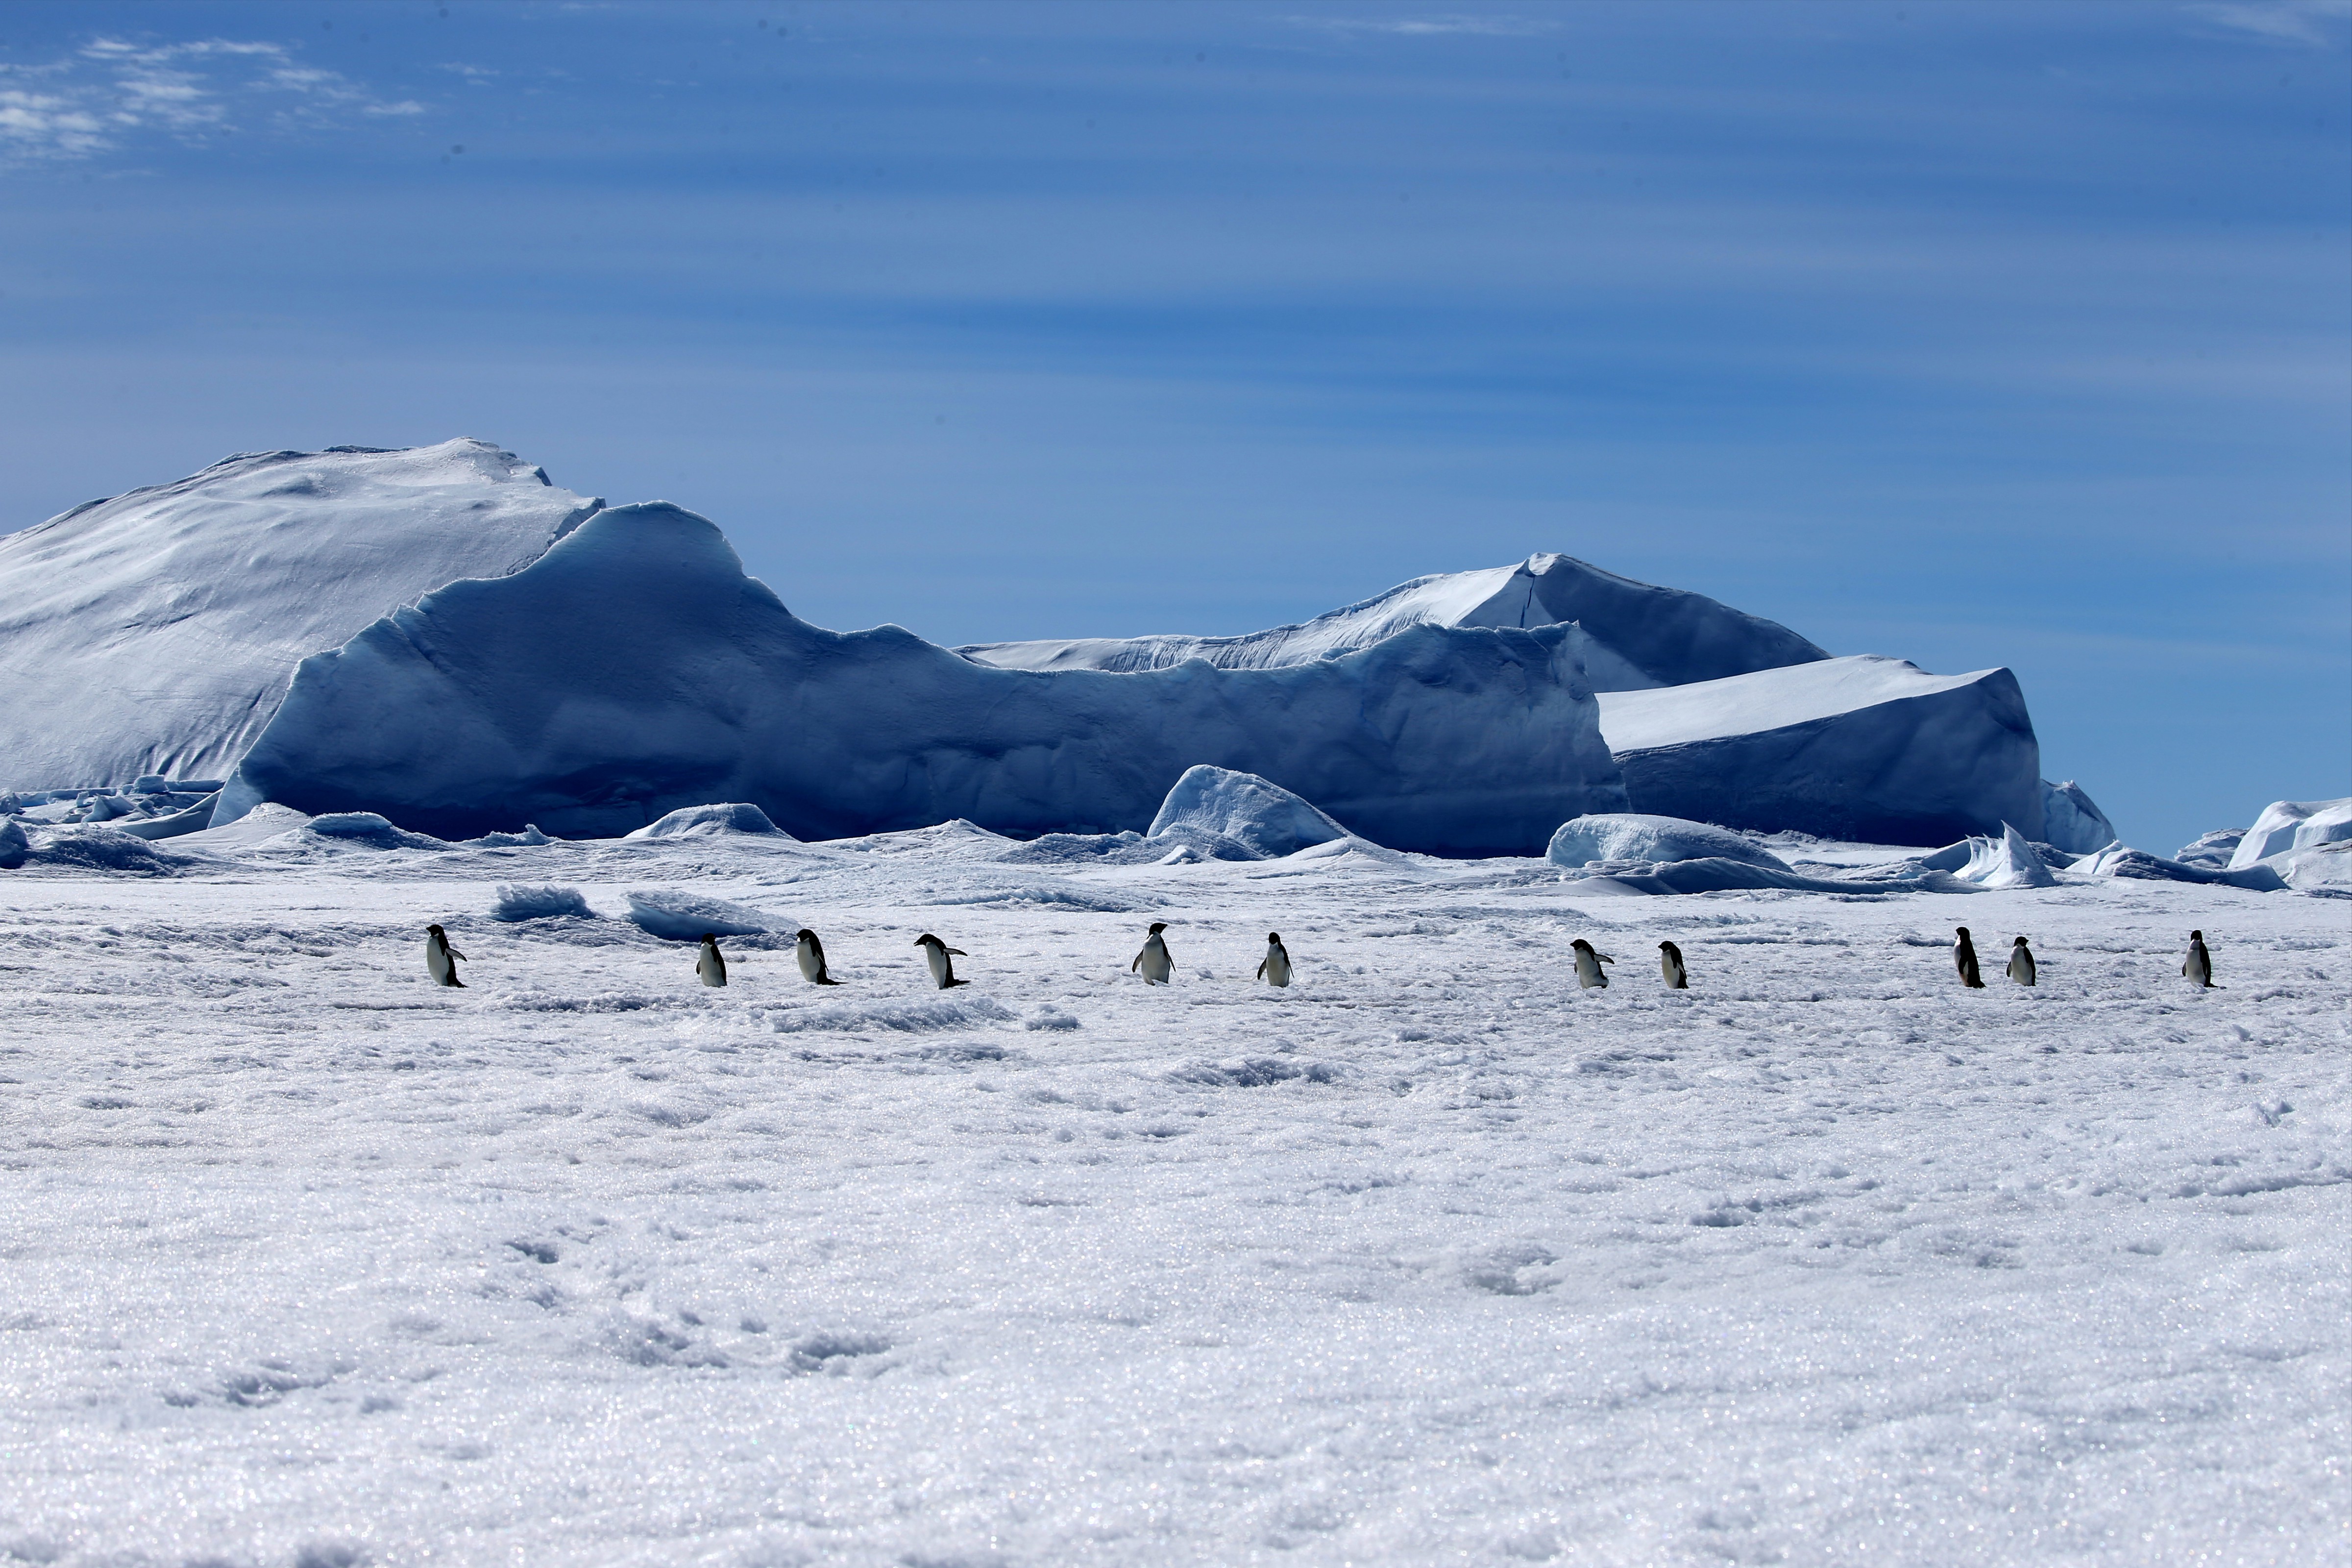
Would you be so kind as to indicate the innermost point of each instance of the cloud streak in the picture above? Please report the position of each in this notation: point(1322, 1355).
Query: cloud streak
point(112, 91)
point(2310, 23)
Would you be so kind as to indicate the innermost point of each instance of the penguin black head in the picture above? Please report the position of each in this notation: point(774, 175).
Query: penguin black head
point(1579, 941)
point(1275, 937)
point(927, 937)
point(1159, 926)
point(804, 935)
point(436, 930)
point(2193, 936)
point(707, 939)
point(1962, 930)
point(2019, 942)
point(1670, 947)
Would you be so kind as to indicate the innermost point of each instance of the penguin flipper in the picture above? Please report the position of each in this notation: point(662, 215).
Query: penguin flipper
point(959, 953)
point(455, 953)
point(1261, 969)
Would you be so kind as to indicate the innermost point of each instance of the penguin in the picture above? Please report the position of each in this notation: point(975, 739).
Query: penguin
point(710, 963)
point(1964, 958)
point(1670, 965)
point(935, 954)
point(1153, 961)
point(440, 958)
point(2021, 962)
point(808, 953)
point(2199, 964)
point(1588, 965)
point(1274, 967)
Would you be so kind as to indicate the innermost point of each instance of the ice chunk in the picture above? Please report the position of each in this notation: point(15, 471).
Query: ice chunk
point(371, 829)
point(1630, 836)
point(2008, 861)
point(192, 819)
point(1641, 635)
point(634, 669)
point(530, 838)
point(155, 634)
point(1865, 749)
point(2071, 821)
point(2138, 865)
point(2287, 825)
point(529, 901)
point(2212, 851)
point(15, 846)
point(2324, 870)
point(708, 821)
point(685, 917)
point(1263, 818)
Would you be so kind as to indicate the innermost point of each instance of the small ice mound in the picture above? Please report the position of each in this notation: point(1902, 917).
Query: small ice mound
point(2119, 859)
point(1251, 1072)
point(1050, 1018)
point(686, 917)
point(369, 828)
point(530, 838)
point(896, 1017)
point(2292, 824)
point(264, 822)
point(101, 849)
point(1620, 836)
point(536, 901)
point(710, 821)
point(2072, 820)
point(2008, 861)
point(1261, 816)
point(2212, 851)
point(14, 847)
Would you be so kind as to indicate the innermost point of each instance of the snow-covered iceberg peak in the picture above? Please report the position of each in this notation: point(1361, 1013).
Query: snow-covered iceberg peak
point(2289, 825)
point(1644, 635)
point(2071, 821)
point(1261, 817)
point(634, 669)
point(187, 606)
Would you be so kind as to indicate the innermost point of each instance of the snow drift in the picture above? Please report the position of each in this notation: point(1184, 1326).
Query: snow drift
point(1630, 836)
point(188, 605)
point(1868, 749)
point(1644, 636)
point(1262, 817)
point(633, 669)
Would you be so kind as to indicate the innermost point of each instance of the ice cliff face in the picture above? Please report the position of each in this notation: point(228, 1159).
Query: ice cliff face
point(155, 633)
point(634, 669)
point(1863, 748)
point(1642, 635)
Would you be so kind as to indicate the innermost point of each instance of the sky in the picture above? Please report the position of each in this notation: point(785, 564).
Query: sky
point(1972, 333)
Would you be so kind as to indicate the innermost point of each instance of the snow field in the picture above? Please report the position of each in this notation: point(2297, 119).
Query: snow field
point(1432, 1258)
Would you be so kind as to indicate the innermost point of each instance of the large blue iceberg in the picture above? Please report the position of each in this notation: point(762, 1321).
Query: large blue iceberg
point(634, 669)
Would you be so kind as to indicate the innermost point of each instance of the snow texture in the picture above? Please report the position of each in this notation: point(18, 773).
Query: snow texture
point(2071, 821)
point(188, 605)
point(1430, 1257)
point(539, 902)
point(1640, 635)
point(703, 821)
point(1629, 836)
point(634, 669)
point(1263, 818)
point(1864, 748)
point(2287, 825)
point(677, 916)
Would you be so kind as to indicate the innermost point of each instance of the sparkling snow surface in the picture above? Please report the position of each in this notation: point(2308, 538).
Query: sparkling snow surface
point(1431, 1258)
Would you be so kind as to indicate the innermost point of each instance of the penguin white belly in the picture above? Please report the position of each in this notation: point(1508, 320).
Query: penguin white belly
point(710, 967)
point(1675, 976)
point(812, 966)
point(1154, 961)
point(941, 970)
point(2020, 967)
point(438, 963)
point(1277, 967)
point(1588, 971)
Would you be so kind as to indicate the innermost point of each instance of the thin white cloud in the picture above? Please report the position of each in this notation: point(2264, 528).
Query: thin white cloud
point(2311, 22)
point(1492, 26)
point(112, 91)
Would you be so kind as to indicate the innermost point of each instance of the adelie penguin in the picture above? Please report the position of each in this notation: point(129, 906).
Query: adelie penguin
point(1964, 959)
point(710, 964)
point(808, 953)
point(440, 958)
point(2198, 965)
point(1153, 962)
point(2021, 962)
point(936, 954)
point(1588, 965)
point(1670, 965)
point(1274, 967)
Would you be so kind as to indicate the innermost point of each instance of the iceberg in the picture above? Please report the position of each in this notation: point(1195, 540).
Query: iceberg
point(2212, 851)
point(2120, 860)
point(2008, 861)
point(710, 821)
point(1865, 749)
point(1630, 836)
point(155, 634)
point(1262, 817)
point(542, 901)
point(634, 669)
point(1641, 635)
point(2287, 825)
point(2071, 821)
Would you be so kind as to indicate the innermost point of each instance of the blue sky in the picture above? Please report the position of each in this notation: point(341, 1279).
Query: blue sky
point(1974, 334)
